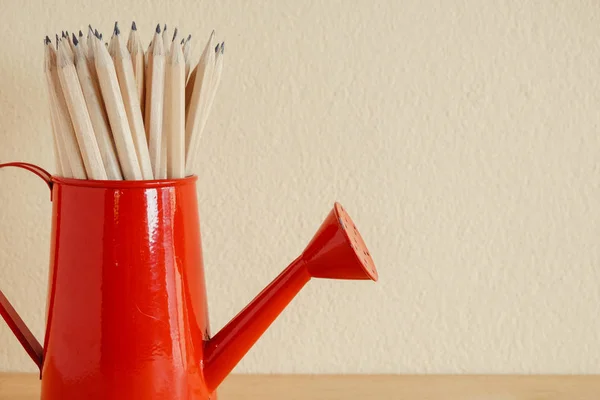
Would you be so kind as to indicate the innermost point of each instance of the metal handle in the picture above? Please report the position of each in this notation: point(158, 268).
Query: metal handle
point(31, 345)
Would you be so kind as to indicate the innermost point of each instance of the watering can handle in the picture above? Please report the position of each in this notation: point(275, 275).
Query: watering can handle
point(14, 321)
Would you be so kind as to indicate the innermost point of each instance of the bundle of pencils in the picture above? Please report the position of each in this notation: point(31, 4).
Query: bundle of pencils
point(119, 113)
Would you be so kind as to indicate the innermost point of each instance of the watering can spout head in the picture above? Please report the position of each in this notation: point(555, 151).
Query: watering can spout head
point(337, 251)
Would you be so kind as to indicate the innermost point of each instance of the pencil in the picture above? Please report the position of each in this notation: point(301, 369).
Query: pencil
point(129, 93)
point(166, 40)
point(154, 102)
point(95, 106)
point(162, 174)
point(199, 96)
point(187, 47)
point(65, 37)
point(117, 116)
point(82, 44)
point(165, 133)
point(62, 161)
point(80, 117)
point(55, 146)
point(214, 85)
point(146, 58)
point(190, 80)
point(64, 126)
point(136, 51)
point(189, 89)
point(162, 168)
point(164, 140)
point(90, 44)
point(174, 126)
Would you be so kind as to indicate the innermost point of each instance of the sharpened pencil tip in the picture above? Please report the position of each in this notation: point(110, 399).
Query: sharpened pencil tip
point(116, 30)
point(96, 33)
point(165, 28)
point(174, 34)
point(100, 37)
point(158, 28)
point(222, 47)
point(189, 38)
point(133, 26)
point(48, 41)
point(75, 41)
point(182, 41)
point(80, 34)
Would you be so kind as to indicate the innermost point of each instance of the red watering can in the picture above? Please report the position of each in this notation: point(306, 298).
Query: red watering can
point(126, 314)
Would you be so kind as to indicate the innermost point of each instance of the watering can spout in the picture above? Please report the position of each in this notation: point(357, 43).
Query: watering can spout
point(337, 251)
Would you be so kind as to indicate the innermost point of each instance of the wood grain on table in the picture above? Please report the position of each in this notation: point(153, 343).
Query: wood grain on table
point(376, 387)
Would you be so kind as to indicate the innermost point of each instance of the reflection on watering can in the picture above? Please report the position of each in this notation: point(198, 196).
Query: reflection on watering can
point(127, 316)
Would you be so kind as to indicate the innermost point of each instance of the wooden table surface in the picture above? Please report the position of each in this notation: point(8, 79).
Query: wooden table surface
point(386, 387)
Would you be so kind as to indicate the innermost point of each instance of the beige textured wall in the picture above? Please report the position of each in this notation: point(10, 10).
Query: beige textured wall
point(462, 136)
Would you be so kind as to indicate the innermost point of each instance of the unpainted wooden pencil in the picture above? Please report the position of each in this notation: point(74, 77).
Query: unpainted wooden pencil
point(59, 157)
point(189, 88)
point(187, 49)
point(99, 118)
point(80, 117)
point(91, 59)
point(56, 119)
point(117, 116)
point(147, 55)
point(55, 146)
point(127, 84)
point(200, 94)
point(174, 118)
point(164, 140)
point(91, 36)
point(68, 46)
point(154, 102)
point(136, 51)
point(61, 163)
point(64, 125)
point(147, 84)
point(68, 38)
point(162, 174)
point(166, 40)
point(82, 43)
point(57, 161)
point(214, 85)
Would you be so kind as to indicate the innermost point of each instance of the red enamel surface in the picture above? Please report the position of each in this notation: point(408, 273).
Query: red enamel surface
point(127, 314)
